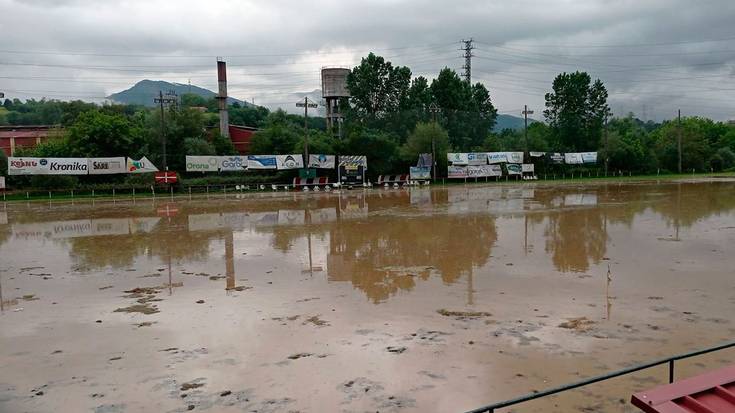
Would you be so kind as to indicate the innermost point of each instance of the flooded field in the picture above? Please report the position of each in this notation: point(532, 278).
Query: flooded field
point(439, 299)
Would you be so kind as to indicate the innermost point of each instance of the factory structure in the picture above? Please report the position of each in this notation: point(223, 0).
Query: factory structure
point(334, 89)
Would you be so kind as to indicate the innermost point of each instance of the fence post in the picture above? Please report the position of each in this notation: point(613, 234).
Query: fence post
point(72, 194)
point(28, 196)
point(113, 193)
point(671, 371)
point(93, 193)
point(190, 193)
point(49, 195)
point(172, 192)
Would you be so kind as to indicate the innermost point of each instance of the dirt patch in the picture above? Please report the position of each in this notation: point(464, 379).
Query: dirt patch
point(146, 309)
point(316, 321)
point(580, 324)
point(463, 314)
point(192, 385)
point(238, 288)
point(395, 349)
point(29, 297)
point(299, 356)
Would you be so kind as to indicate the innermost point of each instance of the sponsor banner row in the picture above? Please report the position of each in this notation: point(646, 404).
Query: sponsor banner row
point(78, 166)
point(216, 163)
point(580, 158)
point(474, 171)
point(484, 158)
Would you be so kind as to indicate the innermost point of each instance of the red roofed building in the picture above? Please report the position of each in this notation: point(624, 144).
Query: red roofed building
point(241, 137)
point(13, 138)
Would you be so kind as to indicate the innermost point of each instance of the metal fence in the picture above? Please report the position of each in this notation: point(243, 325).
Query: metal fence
point(491, 408)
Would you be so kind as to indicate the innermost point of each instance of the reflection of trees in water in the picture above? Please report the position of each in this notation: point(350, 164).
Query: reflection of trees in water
point(687, 203)
point(169, 237)
point(575, 238)
point(378, 255)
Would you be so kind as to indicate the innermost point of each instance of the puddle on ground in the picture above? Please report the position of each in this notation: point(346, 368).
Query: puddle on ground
point(425, 299)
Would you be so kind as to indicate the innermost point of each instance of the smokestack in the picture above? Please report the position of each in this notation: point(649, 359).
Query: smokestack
point(224, 116)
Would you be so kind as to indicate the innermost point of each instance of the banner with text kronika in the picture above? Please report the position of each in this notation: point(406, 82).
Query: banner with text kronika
point(202, 163)
point(294, 161)
point(456, 171)
point(106, 166)
point(63, 166)
point(26, 166)
point(262, 162)
point(141, 166)
point(233, 163)
point(322, 161)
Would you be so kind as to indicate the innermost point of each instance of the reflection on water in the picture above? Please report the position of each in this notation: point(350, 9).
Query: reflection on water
point(381, 241)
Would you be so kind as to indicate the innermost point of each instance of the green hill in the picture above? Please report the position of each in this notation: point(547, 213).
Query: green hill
point(143, 92)
point(509, 122)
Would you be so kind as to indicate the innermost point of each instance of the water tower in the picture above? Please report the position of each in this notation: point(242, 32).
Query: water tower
point(334, 87)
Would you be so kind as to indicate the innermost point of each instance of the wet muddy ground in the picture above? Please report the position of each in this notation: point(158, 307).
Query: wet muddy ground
point(440, 299)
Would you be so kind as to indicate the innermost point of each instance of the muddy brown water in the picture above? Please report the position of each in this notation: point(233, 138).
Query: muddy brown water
point(440, 299)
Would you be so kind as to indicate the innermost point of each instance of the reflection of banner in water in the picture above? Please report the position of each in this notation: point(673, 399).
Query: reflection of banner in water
point(514, 169)
point(420, 196)
point(208, 222)
point(106, 166)
point(323, 215)
point(77, 228)
point(580, 199)
point(456, 171)
point(143, 224)
point(352, 207)
point(293, 161)
point(572, 158)
point(589, 157)
point(291, 217)
point(262, 162)
point(322, 161)
point(457, 158)
point(2, 182)
point(264, 218)
point(420, 172)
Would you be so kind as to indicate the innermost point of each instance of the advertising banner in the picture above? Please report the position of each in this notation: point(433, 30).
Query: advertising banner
point(457, 158)
point(425, 159)
point(515, 157)
point(26, 166)
point(355, 160)
point(537, 154)
point(65, 166)
point(556, 158)
point(141, 166)
point(480, 171)
point(527, 168)
point(233, 163)
point(2, 182)
point(262, 162)
point(420, 172)
point(294, 161)
point(514, 169)
point(322, 161)
point(497, 157)
point(477, 158)
point(106, 166)
point(202, 163)
point(456, 171)
point(589, 157)
point(572, 158)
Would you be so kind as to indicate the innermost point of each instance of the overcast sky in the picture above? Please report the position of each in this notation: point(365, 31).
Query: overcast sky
point(654, 56)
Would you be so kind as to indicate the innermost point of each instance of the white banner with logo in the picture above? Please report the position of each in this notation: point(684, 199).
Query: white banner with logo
point(514, 169)
point(589, 157)
point(537, 154)
point(419, 172)
point(515, 157)
point(477, 158)
point(106, 166)
point(322, 161)
point(497, 157)
point(233, 163)
point(458, 158)
point(527, 168)
point(481, 171)
point(294, 161)
point(2, 182)
point(456, 171)
point(261, 162)
point(26, 166)
point(65, 166)
point(202, 163)
point(572, 158)
point(141, 166)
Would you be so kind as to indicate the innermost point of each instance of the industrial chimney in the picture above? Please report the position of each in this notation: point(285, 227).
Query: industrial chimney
point(224, 116)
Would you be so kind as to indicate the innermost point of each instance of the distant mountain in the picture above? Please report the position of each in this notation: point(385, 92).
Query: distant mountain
point(143, 92)
point(509, 122)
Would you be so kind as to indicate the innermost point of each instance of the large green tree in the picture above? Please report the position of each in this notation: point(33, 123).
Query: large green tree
point(99, 134)
point(576, 111)
point(377, 88)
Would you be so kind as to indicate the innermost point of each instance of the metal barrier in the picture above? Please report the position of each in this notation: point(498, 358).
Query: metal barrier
point(670, 360)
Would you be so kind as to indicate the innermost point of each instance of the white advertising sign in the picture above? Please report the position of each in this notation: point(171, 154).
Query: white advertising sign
point(456, 171)
point(480, 171)
point(514, 169)
point(458, 158)
point(527, 168)
point(233, 163)
point(141, 166)
point(202, 163)
point(322, 161)
point(294, 161)
point(572, 158)
point(26, 166)
point(65, 166)
point(106, 166)
point(515, 157)
point(477, 158)
point(537, 154)
point(497, 157)
point(589, 157)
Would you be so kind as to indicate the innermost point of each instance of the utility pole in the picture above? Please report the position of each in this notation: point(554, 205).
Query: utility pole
point(607, 148)
point(306, 105)
point(467, 48)
point(434, 109)
point(525, 114)
point(161, 100)
point(679, 138)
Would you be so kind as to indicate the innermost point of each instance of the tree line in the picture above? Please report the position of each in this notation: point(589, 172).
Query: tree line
point(391, 117)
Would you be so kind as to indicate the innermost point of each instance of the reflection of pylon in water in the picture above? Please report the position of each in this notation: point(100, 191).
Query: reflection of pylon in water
point(607, 292)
